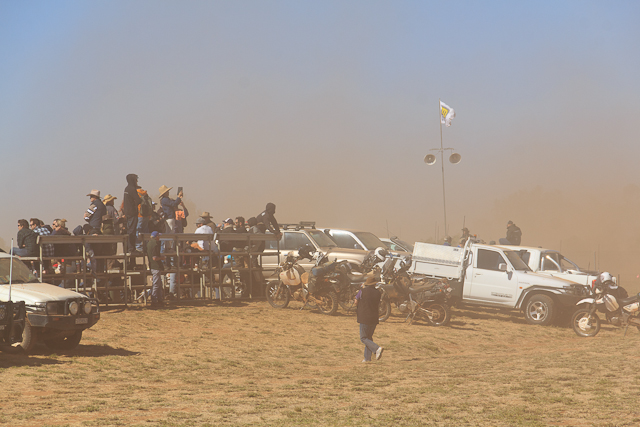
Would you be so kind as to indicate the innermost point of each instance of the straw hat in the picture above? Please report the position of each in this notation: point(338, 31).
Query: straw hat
point(371, 280)
point(95, 193)
point(164, 189)
point(109, 198)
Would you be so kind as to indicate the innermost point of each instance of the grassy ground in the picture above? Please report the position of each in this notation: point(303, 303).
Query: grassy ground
point(250, 364)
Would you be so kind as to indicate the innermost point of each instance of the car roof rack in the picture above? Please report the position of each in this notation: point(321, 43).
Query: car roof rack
point(299, 226)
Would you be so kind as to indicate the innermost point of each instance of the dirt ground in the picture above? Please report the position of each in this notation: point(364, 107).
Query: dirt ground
point(245, 363)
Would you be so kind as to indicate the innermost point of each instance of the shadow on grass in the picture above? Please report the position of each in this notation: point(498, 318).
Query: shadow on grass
point(176, 304)
point(89, 350)
point(20, 359)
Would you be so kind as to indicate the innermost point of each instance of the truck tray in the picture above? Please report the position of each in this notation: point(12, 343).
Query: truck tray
point(437, 260)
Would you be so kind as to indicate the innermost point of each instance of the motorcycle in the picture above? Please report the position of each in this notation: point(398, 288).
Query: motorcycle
point(427, 299)
point(607, 298)
point(353, 276)
point(316, 288)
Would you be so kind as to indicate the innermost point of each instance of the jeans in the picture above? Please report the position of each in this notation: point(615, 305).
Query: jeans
point(156, 286)
point(366, 336)
point(173, 285)
point(143, 227)
point(20, 251)
point(132, 225)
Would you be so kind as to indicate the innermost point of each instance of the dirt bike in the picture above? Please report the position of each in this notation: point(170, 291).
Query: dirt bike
point(315, 288)
point(605, 298)
point(427, 299)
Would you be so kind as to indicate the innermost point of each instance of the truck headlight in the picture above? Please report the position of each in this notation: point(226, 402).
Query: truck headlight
point(87, 307)
point(52, 307)
point(3, 312)
point(73, 308)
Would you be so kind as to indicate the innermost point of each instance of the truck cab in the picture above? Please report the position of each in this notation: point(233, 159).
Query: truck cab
point(495, 276)
point(553, 263)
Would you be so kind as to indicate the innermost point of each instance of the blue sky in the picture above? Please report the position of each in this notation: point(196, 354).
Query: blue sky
point(324, 108)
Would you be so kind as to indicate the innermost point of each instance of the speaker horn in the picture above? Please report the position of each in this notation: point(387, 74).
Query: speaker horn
point(430, 159)
point(455, 158)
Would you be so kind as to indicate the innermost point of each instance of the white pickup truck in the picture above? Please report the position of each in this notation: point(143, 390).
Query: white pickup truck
point(55, 315)
point(553, 263)
point(496, 276)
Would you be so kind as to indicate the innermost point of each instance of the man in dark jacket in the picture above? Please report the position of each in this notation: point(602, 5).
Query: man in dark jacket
point(267, 218)
point(514, 235)
point(130, 202)
point(368, 300)
point(27, 245)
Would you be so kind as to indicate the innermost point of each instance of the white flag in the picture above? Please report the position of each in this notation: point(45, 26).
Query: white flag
point(446, 114)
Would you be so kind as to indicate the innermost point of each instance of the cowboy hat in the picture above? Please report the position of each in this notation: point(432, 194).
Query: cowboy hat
point(371, 280)
point(109, 198)
point(95, 193)
point(164, 189)
point(205, 215)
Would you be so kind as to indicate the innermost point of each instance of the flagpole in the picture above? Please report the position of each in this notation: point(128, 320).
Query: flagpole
point(444, 199)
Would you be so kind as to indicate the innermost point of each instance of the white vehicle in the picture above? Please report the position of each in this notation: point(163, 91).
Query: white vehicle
point(553, 263)
point(396, 244)
point(55, 315)
point(362, 240)
point(496, 276)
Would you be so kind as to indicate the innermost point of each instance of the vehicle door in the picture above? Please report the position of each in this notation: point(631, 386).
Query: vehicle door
point(289, 242)
point(491, 279)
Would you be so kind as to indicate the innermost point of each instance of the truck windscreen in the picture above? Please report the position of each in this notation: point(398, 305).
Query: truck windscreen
point(516, 261)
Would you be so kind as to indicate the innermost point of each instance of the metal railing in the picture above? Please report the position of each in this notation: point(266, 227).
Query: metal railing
point(102, 266)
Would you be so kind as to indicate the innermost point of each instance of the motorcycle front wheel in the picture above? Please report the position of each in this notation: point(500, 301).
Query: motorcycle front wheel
point(384, 309)
point(278, 295)
point(584, 323)
point(328, 303)
point(438, 314)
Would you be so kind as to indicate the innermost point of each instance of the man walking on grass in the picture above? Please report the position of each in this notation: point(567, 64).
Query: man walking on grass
point(368, 300)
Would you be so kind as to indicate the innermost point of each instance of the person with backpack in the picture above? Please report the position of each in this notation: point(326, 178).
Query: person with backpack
point(145, 210)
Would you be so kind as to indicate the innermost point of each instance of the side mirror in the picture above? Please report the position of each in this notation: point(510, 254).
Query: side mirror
point(502, 266)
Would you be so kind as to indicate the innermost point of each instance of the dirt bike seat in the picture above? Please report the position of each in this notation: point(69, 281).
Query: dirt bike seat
point(630, 300)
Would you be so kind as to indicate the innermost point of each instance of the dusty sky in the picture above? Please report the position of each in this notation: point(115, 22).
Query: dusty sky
point(328, 108)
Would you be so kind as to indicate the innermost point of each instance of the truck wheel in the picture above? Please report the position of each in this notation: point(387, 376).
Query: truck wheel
point(24, 339)
point(539, 310)
point(62, 342)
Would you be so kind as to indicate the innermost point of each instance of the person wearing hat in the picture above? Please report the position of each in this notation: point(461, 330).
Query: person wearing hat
point(96, 210)
point(202, 228)
point(447, 241)
point(169, 207)
point(156, 266)
point(112, 212)
point(367, 302)
point(130, 202)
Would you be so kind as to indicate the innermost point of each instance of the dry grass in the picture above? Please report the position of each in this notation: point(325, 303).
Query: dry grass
point(249, 364)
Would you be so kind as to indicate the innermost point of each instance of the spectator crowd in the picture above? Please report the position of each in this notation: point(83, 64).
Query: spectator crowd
point(137, 214)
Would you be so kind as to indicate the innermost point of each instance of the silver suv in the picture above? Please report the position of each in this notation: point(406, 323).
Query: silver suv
point(296, 235)
point(362, 240)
